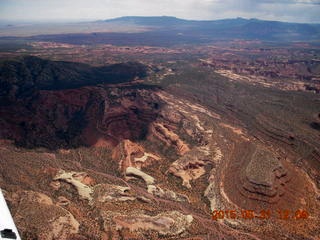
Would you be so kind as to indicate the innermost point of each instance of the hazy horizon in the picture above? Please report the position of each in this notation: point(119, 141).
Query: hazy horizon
point(37, 11)
point(76, 21)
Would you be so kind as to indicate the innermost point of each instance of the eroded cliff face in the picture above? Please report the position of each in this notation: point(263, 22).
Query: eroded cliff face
point(61, 104)
point(79, 117)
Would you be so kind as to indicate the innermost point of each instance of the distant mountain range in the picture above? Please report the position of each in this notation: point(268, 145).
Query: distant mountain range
point(229, 28)
point(168, 31)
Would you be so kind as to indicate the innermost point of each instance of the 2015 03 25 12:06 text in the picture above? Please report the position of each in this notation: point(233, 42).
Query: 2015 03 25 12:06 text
point(283, 214)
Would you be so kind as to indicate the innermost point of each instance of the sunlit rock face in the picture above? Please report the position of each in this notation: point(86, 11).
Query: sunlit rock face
point(264, 177)
point(130, 154)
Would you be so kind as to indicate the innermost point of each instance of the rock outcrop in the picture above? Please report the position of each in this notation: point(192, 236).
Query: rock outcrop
point(77, 180)
point(166, 224)
point(98, 193)
point(166, 194)
point(191, 166)
point(155, 189)
point(37, 214)
point(170, 138)
point(140, 174)
point(264, 177)
point(112, 193)
point(130, 154)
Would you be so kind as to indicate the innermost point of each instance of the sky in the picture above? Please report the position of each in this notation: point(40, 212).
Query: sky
point(307, 11)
